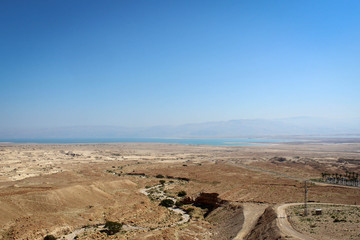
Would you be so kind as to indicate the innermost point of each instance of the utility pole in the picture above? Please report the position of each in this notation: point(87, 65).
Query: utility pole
point(306, 210)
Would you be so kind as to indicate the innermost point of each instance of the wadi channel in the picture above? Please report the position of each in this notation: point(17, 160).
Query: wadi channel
point(168, 191)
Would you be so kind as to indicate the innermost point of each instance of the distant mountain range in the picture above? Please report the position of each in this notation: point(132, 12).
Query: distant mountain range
point(234, 128)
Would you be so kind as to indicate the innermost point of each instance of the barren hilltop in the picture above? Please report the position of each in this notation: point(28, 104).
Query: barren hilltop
point(173, 191)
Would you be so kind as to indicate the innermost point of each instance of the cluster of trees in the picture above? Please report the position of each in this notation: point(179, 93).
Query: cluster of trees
point(112, 228)
point(349, 179)
point(170, 203)
point(49, 237)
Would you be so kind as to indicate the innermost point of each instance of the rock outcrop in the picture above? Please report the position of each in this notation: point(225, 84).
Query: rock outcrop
point(209, 201)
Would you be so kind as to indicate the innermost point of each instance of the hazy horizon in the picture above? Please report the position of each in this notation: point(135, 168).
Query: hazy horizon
point(145, 64)
point(301, 126)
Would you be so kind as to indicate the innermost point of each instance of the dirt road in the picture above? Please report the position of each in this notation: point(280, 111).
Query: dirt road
point(286, 228)
point(284, 225)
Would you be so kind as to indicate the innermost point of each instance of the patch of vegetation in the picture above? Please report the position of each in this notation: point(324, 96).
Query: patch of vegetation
point(339, 220)
point(159, 176)
point(162, 182)
point(181, 194)
point(112, 227)
point(189, 210)
point(167, 203)
point(183, 178)
point(49, 237)
point(179, 204)
point(215, 182)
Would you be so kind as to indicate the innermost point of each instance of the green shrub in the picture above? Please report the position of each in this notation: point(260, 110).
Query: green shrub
point(189, 210)
point(178, 204)
point(49, 237)
point(159, 176)
point(162, 181)
point(181, 194)
point(167, 203)
point(112, 227)
point(339, 220)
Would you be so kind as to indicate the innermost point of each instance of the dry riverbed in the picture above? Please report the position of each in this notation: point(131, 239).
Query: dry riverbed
point(60, 188)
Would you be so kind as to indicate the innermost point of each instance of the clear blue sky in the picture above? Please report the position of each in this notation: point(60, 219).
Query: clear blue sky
point(143, 63)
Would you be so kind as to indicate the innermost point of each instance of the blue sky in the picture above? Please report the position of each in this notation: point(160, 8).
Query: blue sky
point(144, 63)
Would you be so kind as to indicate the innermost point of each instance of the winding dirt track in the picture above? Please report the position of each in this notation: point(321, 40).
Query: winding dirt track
point(285, 227)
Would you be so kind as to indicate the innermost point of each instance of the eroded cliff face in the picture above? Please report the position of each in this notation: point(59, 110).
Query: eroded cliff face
point(209, 201)
point(227, 219)
point(265, 227)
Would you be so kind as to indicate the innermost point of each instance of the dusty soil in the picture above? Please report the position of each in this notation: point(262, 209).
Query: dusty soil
point(252, 212)
point(59, 188)
point(335, 222)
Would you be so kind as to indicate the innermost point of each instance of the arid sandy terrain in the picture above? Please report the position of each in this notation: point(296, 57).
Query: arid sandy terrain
point(334, 222)
point(58, 189)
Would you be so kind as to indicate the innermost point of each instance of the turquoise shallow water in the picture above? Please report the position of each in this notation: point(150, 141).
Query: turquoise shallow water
point(193, 141)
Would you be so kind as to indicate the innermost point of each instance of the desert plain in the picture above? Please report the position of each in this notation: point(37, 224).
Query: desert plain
point(228, 192)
